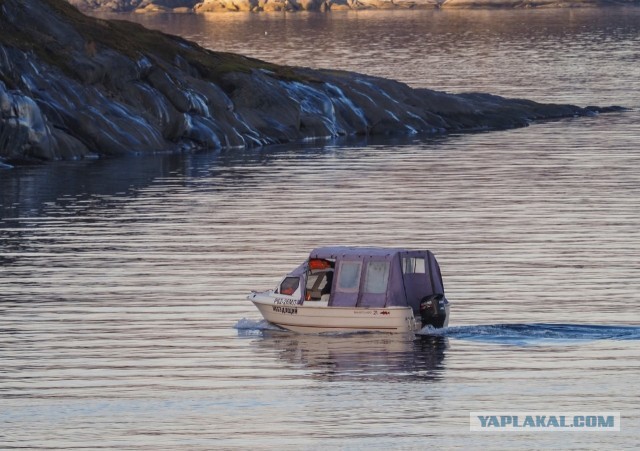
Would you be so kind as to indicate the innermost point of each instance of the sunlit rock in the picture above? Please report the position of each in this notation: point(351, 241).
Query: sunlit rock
point(213, 6)
point(150, 6)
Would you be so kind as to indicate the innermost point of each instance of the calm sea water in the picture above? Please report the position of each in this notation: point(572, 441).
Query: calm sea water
point(123, 322)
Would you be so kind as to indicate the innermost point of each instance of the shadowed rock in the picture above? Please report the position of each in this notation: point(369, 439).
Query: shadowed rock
point(72, 86)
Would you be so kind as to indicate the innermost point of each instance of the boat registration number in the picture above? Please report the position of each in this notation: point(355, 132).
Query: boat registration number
point(285, 309)
point(282, 301)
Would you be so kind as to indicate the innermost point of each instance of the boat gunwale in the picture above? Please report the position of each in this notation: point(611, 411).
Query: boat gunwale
point(271, 301)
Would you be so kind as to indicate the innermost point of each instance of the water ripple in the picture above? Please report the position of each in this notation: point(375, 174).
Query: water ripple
point(537, 333)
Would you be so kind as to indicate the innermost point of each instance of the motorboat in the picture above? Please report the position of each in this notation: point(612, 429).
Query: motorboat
point(351, 289)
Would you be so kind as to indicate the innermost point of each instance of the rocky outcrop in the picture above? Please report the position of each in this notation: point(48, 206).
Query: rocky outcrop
point(72, 86)
point(310, 5)
point(248, 5)
point(205, 6)
point(136, 5)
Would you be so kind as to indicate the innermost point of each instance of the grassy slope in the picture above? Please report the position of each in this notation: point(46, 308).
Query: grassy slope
point(129, 39)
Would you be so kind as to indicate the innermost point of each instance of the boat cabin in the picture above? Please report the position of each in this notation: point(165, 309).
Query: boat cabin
point(364, 277)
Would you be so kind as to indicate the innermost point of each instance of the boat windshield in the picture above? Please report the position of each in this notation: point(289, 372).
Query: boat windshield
point(289, 285)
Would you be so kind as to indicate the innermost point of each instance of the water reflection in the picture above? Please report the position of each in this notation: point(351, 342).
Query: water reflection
point(28, 191)
point(363, 356)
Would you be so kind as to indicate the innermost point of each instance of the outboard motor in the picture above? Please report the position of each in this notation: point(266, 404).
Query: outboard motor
point(433, 310)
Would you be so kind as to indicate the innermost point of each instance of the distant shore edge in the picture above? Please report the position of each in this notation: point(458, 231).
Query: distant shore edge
point(219, 6)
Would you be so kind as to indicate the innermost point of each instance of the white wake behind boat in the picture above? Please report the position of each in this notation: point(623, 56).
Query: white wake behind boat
point(348, 289)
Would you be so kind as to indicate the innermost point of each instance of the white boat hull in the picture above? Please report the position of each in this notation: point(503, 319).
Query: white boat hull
point(313, 317)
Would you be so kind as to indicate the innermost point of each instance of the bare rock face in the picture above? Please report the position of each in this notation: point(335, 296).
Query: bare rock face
point(206, 6)
point(350, 5)
point(72, 86)
point(137, 5)
point(214, 6)
point(108, 5)
point(312, 5)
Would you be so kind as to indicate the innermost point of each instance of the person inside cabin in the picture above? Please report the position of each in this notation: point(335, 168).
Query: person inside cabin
point(319, 285)
point(327, 286)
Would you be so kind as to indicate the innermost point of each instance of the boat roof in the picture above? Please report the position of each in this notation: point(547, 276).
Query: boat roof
point(334, 252)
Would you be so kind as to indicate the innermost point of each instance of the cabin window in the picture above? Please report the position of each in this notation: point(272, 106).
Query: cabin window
point(376, 278)
point(289, 285)
point(349, 277)
point(412, 265)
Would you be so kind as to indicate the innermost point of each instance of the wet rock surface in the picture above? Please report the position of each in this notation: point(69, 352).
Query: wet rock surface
point(72, 87)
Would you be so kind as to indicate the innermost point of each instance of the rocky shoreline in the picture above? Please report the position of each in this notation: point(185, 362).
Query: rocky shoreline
point(72, 86)
point(208, 6)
